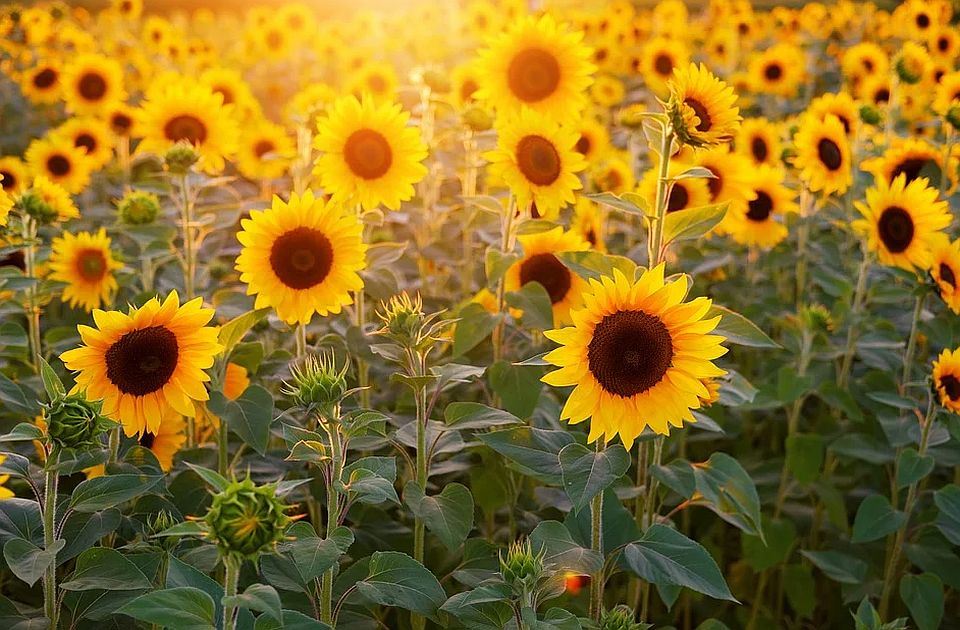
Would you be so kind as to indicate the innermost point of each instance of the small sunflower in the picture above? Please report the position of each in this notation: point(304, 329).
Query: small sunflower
point(840, 105)
point(122, 120)
point(93, 136)
point(613, 174)
point(594, 141)
point(187, 111)
point(945, 272)
point(84, 261)
point(732, 175)
point(302, 257)
point(61, 162)
point(760, 221)
point(538, 64)
point(823, 155)
point(913, 158)
point(92, 82)
point(6, 204)
point(866, 59)
point(168, 439)
point(43, 84)
point(377, 80)
point(540, 264)
point(944, 42)
point(607, 91)
point(702, 108)
point(689, 192)
point(264, 150)
point(903, 222)
point(369, 155)
point(658, 60)
point(588, 222)
point(13, 173)
point(466, 82)
point(235, 91)
point(537, 160)
point(778, 70)
point(54, 196)
point(636, 354)
point(946, 379)
point(947, 92)
point(145, 361)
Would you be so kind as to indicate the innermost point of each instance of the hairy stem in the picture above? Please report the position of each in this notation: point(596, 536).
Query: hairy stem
point(50, 608)
point(230, 580)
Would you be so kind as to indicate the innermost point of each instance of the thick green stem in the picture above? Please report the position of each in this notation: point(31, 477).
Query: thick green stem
point(301, 337)
point(650, 516)
point(360, 319)
point(859, 293)
point(50, 607)
point(418, 361)
point(803, 235)
point(32, 305)
point(114, 445)
point(655, 239)
point(912, 340)
point(333, 513)
point(189, 248)
point(506, 246)
point(223, 443)
point(596, 543)
point(230, 580)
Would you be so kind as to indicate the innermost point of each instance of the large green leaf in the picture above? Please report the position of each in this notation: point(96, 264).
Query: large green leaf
point(259, 597)
point(740, 330)
point(587, 472)
point(518, 386)
point(875, 519)
point(532, 451)
point(692, 223)
point(562, 552)
point(183, 608)
point(249, 416)
point(103, 568)
point(948, 517)
point(313, 555)
point(780, 536)
point(912, 467)
point(471, 415)
point(105, 492)
point(923, 595)
point(448, 515)
point(292, 620)
point(665, 556)
point(233, 331)
point(396, 579)
point(805, 456)
point(28, 561)
point(475, 325)
point(730, 492)
point(838, 566)
point(534, 301)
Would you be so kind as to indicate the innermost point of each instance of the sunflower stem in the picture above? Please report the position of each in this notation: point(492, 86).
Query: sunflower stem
point(649, 515)
point(506, 246)
point(223, 443)
point(803, 235)
point(231, 579)
point(858, 296)
point(912, 340)
point(50, 607)
point(893, 557)
point(114, 445)
point(333, 509)
point(418, 361)
point(655, 241)
point(301, 336)
point(32, 306)
point(945, 159)
point(469, 189)
point(360, 319)
point(596, 543)
point(189, 248)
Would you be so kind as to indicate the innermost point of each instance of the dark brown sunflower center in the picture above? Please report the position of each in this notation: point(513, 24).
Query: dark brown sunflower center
point(185, 127)
point(533, 75)
point(882, 96)
point(592, 237)
point(142, 361)
point(630, 352)
point(584, 144)
point(923, 20)
point(679, 198)
point(951, 386)
point(91, 264)
point(538, 160)
point(263, 147)
point(467, 89)
point(829, 153)
point(121, 123)
point(147, 439)
point(302, 258)
point(702, 114)
point(7, 180)
point(92, 86)
point(377, 83)
point(773, 72)
point(943, 44)
point(947, 275)
point(759, 209)
point(58, 165)
point(45, 78)
point(274, 39)
point(86, 141)
point(759, 149)
point(663, 64)
point(896, 229)
point(913, 167)
point(548, 271)
point(368, 154)
point(715, 184)
point(15, 259)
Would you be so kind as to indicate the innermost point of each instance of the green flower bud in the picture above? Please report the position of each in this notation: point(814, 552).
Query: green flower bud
point(907, 71)
point(437, 80)
point(32, 204)
point(521, 568)
point(180, 158)
point(317, 384)
point(138, 208)
point(953, 117)
point(817, 318)
point(870, 114)
point(404, 322)
point(477, 119)
point(620, 618)
point(75, 422)
point(246, 520)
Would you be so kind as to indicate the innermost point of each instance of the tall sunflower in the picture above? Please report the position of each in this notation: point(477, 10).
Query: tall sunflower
point(702, 108)
point(903, 222)
point(945, 271)
point(778, 70)
point(539, 64)
point(636, 354)
point(302, 257)
point(840, 105)
point(589, 222)
point(144, 361)
point(823, 155)
point(60, 161)
point(536, 158)
point(946, 379)
point(540, 264)
point(188, 111)
point(369, 155)
point(760, 221)
point(91, 83)
point(84, 261)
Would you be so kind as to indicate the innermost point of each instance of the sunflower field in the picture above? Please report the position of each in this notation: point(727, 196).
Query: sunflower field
point(479, 314)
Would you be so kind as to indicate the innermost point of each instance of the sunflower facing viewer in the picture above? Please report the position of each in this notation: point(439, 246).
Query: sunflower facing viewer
point(84, 261)
point(946, 379)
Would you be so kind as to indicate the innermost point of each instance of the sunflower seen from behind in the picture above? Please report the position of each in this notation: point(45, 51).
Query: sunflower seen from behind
point(903, 222)
point(141, 362)
point(537, 160)
point(369, 156)
point(85, 263)
point(637, 354)
point(823, 155)
point(540, 264)
point(302, 257)
point(536, 63)
point(702, 108)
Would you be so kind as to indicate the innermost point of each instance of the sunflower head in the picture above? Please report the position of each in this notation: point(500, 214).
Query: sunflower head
point(870, 114)
point(74, 422)
point(180, 158)
point(138, 208)
point(702, 108)
point(246, 520)
point(520, 567)
point(404, 322)
point(953, 117)
point(317, 383)
point(946, 379)
point(621, 617)
point(945, 273)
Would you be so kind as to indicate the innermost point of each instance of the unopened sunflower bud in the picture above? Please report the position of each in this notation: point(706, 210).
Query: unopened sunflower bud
point(619, 618)
point(32, 204)
point(74, 422)
point(138, 208)
point(180, 158)
point(246, 520)
point(436, 80)
point(477, 119)
point(817, 318)
point(870, 114)
point(521, 568)
point(317, 383)
point(953, 117)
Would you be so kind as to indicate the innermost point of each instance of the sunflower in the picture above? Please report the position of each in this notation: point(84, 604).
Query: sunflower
point(84, 261)
point(613, 174)
point(61, 162)
point(6, 204)
point(594, 139)
point(702, 108)
point(685, 193)
point(607, 91)
point(945, 272)
point(760, 221)
point(466, 82)
point(122, 120)
point(588, 221)
point(947, 92)
point(265, 150)
point(537, 160)
point(143, 362)
point(43, 84)
point(92, 82)
point(538, 64)
point(913, 158)
point(944, 42)
point(840, 105)
point(189, 112)
point(540, 264)
point(272, 40)
point(778, 70)
point(235, 91)
point(636, 353)
point(370, 157)
point(168, 439)
point(91, 135)
point(302, 257)
point(823, 155)
point(903, 222)
point(865, 59)
point(732, 175)
point(875, 90)
point(54, 196)
point(375, 79)
point(658, 59)
point(946, 379)
point(13, 174)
